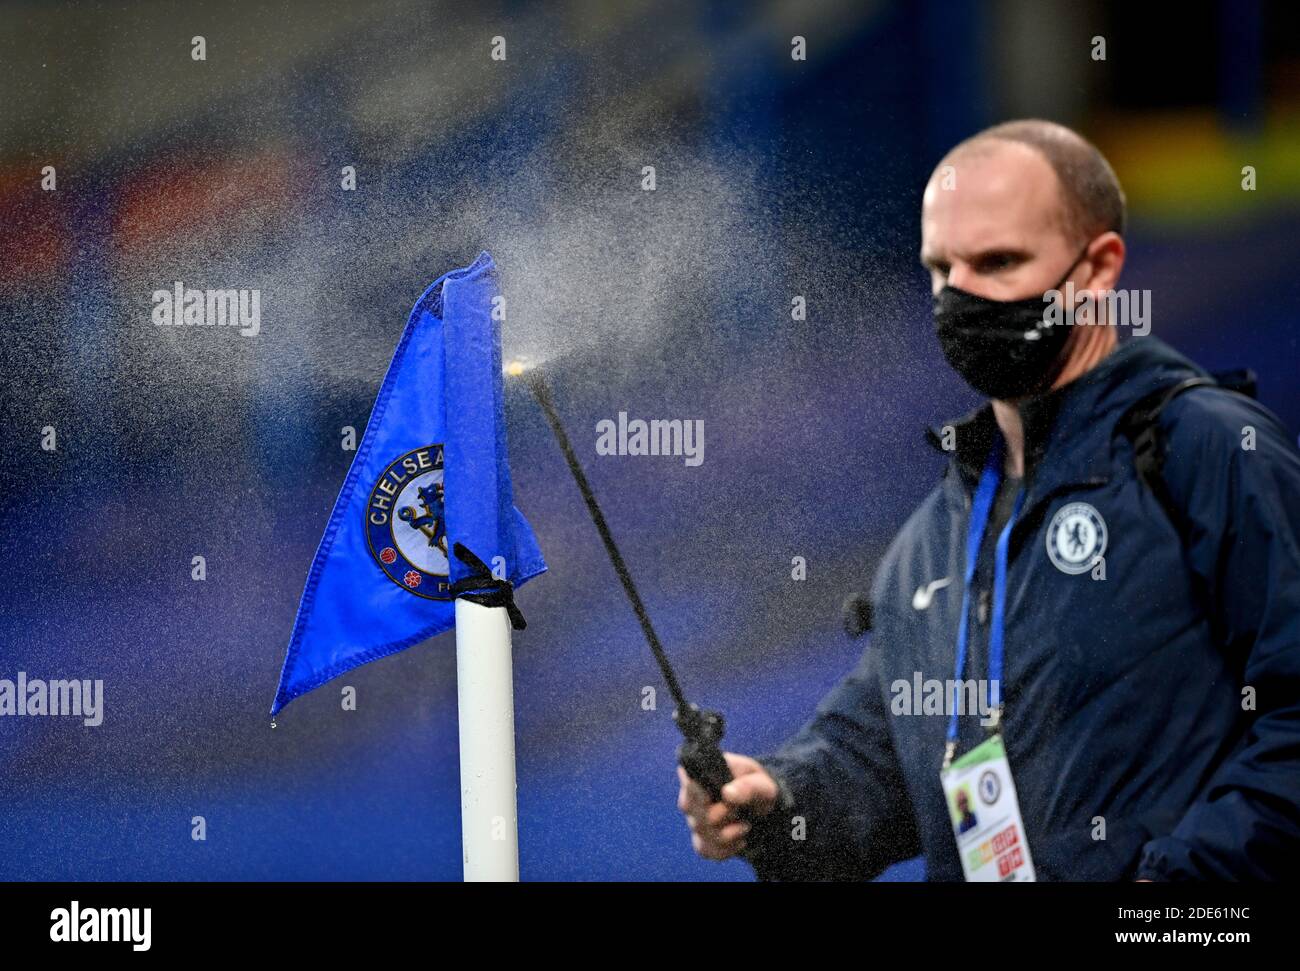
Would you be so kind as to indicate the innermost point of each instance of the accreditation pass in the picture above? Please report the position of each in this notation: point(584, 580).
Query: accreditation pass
point(985, 815)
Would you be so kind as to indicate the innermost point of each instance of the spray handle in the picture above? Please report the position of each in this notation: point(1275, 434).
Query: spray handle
point(700, 755)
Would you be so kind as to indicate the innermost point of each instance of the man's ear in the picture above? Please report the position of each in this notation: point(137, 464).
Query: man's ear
point(1106, 256)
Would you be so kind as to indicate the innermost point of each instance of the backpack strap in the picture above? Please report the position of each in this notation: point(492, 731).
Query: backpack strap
point(1141, 426)
point(1241, 380)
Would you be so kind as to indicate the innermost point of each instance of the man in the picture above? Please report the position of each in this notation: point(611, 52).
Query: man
point(1138, 630)
point(966, 817)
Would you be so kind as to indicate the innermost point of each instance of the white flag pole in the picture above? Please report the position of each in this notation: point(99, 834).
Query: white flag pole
point(485, 690)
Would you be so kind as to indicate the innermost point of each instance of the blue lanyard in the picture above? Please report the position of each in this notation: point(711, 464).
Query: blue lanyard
point(981, 506)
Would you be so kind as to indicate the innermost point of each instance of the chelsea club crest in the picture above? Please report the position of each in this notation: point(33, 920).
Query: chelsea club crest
point(1076, 538)
point(406, 524)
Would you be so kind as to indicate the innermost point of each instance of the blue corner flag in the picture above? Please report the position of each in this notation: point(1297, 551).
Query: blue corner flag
point(426, 512)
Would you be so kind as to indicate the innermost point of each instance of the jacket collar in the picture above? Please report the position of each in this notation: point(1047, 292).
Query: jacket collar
point(1069, 431)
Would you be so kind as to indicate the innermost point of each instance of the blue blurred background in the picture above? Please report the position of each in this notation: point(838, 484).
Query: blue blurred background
point(777, 177)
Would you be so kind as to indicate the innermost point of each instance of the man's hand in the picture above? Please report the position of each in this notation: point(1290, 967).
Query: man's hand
point(717, 829)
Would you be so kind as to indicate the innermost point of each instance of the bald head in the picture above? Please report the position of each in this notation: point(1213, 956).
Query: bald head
point(1091, 200)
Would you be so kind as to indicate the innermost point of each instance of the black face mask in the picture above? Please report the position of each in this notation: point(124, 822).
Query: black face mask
point(1003, 348)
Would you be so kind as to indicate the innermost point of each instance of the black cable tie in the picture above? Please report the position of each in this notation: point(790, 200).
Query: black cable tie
point(484, 589)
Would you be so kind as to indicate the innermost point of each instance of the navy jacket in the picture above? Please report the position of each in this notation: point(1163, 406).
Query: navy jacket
point(1158, 706)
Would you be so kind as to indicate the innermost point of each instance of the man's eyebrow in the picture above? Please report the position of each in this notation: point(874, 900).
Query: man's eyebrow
point(1010, 250)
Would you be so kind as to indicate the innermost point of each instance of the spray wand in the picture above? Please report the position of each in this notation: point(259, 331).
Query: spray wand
point(699, 754)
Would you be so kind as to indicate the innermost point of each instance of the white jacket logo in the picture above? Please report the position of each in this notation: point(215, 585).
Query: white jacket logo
point(925, 593)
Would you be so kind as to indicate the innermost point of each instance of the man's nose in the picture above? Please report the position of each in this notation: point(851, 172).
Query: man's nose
point(961, 277)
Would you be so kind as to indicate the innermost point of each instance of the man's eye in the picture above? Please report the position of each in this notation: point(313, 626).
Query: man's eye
point(997, 261)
